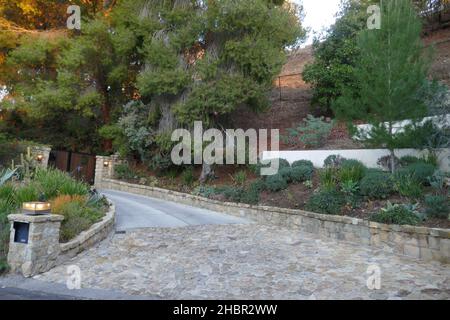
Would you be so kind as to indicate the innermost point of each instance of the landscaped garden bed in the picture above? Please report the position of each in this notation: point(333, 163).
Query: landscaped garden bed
point(416, 194)
point(72, 199)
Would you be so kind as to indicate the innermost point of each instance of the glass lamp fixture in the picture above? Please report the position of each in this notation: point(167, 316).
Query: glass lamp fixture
point(39, 157)
point(36, 208)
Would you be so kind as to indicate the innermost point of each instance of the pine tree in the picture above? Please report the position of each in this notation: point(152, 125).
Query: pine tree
point(390, 72)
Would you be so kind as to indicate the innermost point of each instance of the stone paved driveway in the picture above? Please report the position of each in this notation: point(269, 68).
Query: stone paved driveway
point(249, 262)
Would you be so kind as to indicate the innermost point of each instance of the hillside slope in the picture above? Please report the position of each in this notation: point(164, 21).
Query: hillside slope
point(291, 96)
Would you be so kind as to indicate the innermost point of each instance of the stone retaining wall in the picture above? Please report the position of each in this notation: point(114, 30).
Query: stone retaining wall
point(41, 251)
point(418, 242)
point(88, 238)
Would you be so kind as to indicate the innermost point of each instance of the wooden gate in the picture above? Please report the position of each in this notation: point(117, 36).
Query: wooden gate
point(81, 166)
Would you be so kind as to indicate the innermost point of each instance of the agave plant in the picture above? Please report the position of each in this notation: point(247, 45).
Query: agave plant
point(6, 175)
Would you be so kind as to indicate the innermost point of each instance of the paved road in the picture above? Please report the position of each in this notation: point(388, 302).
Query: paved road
point(135, 211)
point(15, 287)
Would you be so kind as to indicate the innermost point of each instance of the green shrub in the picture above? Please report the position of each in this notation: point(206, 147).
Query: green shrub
point(312, 133)
point(77, 218)
point(420, 171)
point(7, 191)
point(276, 183)
point(301, 173)
point(283, 164)
point(252, 194)
point(437, 206)
point(286, 173)
point(351, 170)
point(303, 163)
point(409, 160)
point(240, 178)
point(438, 181)
point(27, 193)
point(333, 161)
point(326, 202)
point(350, 187)
point(258, 185)
point(329, 178)
point(397, 214)
point(232, 194)
point(188, 177)
point(408, 186)
point(377, 185)
point(123, 172)
point(160, 163)
point(53, 182)
point(204, 191)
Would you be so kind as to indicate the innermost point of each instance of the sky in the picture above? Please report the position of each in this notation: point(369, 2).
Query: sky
point(319, 14)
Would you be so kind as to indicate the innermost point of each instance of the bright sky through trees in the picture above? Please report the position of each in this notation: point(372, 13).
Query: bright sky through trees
point(319, 15)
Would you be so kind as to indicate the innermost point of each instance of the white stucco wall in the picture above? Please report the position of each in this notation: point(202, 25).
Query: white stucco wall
point(367, 156)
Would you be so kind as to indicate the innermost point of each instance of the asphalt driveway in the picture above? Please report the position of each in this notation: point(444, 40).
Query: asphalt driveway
point(135, 212)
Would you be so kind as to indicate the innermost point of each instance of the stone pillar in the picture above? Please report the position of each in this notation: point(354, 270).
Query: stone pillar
point(44, 152)
point(104, 169)
point(42, 250)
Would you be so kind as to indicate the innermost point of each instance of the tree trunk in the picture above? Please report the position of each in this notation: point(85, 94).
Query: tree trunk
point(392, 161)
point(207, 172)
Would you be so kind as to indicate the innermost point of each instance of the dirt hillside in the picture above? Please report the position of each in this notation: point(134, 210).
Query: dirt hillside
point(291, 96)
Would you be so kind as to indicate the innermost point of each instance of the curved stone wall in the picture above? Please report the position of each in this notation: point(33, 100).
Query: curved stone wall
point(418, 242)
point(96, 233)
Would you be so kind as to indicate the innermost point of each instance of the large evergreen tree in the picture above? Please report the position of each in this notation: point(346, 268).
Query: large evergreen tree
point(203, 59)
point(390, 73)
point(336, 55)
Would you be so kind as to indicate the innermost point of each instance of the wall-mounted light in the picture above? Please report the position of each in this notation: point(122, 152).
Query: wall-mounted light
point(106, 164)
point(39, 158)
point(36, 208)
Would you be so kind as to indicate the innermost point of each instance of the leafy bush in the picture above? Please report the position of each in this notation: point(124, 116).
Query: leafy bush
point(188, 177)
point(377, 185)
point(283, 163)
point(78, 217)
point(240, 178)
point(204, 191)
point(231, 193)
point(437, 206)
point(54, 182)
point(276, 183)
point(302, 163)
point(59, 203)
point(256, 168)
point(409, 160)
point(312, 133)
point(408, 186)
point(252, 195)
point(27, 193)
point(350, 187)
point(123, 172)
point(160, 163)
point(329, 178)
point(326, 202)
point(286, 173)
point(438, 181)
point(333, 161)
point(397, 214)
point(420, 171)
point(351, 170)
point(302, 173)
